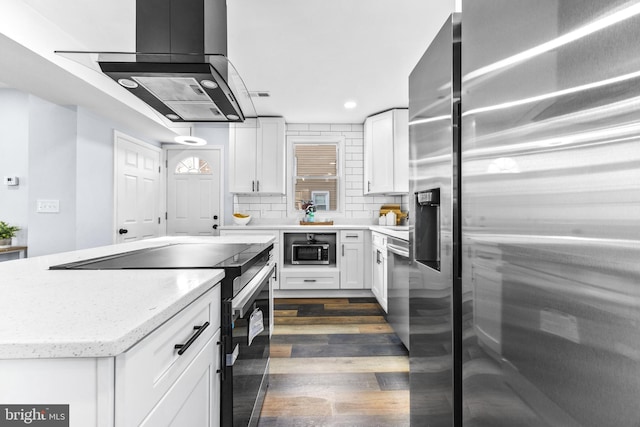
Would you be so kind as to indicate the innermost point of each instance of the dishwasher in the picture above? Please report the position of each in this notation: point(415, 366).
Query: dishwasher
point(398, 272)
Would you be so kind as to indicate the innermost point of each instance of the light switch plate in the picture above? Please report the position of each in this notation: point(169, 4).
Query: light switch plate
point(48, 206)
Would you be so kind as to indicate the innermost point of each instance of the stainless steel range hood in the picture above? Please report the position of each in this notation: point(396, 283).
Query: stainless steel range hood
point(171, 70)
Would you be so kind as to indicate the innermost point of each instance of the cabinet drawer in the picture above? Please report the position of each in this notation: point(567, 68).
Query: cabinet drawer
point(145, 372)
point(351, 236)
point(327, 280)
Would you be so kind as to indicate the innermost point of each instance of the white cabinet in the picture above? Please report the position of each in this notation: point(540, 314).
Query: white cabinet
point(386, 153)
point(257, 156)
point(157, 384)
point(310, 278)
point(379, 266)
point(149, 384)
point(191, 401)
point(352, 259)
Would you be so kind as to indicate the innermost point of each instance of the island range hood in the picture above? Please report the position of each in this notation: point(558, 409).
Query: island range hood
point(179, 68)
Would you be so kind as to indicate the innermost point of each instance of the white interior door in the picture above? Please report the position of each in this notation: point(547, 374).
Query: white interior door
point(137, 189)
point(193, 192)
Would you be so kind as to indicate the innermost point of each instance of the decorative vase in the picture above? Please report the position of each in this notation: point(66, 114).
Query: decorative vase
point(5, 243)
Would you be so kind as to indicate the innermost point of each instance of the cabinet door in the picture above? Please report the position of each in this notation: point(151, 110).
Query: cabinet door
point(379, 277)
point(147, 372)
point(379, 133)
point(271, 164)
point(386, 147)
point(352, 266)
point(401, 151)
point(194, 399)
point(243, 156)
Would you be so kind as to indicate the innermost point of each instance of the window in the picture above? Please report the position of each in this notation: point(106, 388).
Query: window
point(193, 165)
point(316, 172)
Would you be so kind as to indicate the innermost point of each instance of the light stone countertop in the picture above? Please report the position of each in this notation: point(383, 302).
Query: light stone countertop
point(94, 313)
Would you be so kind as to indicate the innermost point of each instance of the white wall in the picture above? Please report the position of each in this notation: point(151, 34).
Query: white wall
point(94, 181)
point(14, 119)
point(58, 153)
point(52, 163)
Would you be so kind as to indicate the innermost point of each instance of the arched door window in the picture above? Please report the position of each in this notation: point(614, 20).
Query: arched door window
point(192, 166)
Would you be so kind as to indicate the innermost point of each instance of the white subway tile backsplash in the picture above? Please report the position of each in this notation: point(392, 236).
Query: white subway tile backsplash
point(319, 126)
point(361, 214)
point(357, 205)
point(353, 149)
point(279, 206)
point(353, 134)
point(352, 164)
point(271, 214)
point(297, 126)
point(273, 199)
point(341, 127)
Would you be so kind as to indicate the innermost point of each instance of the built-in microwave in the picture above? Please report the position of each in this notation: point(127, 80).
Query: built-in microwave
point(310, 252)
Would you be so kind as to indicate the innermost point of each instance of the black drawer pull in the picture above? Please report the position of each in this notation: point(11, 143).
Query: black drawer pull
point(183, 347)
point(309, 280)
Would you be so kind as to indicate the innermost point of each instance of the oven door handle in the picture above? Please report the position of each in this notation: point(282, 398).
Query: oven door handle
point(398, 250)
point(243, 302)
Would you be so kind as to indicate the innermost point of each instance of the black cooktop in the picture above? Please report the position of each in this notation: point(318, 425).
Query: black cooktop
point(174, 256)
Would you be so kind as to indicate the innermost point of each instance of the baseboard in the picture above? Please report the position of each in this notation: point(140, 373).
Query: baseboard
point(323, 293)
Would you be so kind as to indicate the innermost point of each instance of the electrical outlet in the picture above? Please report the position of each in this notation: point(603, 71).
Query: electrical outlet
point(48, 206)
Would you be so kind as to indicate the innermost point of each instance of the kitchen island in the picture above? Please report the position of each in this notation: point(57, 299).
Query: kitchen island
point(95, 339)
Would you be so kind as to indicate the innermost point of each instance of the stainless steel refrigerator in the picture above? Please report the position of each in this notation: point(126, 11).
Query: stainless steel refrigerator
point(525, 217)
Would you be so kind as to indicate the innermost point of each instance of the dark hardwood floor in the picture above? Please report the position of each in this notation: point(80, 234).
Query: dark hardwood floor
point(335, 362)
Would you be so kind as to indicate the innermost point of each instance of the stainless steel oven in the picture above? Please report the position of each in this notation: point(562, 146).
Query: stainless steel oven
point(310, 252)
point(246, 329)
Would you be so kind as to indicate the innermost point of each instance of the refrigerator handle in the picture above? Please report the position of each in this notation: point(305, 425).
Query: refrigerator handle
point(457, 180)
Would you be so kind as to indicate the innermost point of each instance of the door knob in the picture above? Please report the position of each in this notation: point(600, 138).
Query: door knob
point(123, 231)
point(215, 226)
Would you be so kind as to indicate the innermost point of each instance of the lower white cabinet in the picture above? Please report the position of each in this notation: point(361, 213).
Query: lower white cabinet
point(379, 268)
point(191, 399)
point(309, 278)
point(155, 382)
point(352, 259)
point(148, 385)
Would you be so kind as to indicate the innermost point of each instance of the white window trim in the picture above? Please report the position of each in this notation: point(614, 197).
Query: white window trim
point(329, 139)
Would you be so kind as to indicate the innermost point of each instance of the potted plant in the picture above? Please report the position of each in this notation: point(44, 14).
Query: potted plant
point(7, 232)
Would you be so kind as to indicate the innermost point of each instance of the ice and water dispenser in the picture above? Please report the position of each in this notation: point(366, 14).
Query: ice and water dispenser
point(427, 228)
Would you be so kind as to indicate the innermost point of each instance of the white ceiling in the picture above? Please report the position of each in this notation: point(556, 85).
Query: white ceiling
point(310, 55)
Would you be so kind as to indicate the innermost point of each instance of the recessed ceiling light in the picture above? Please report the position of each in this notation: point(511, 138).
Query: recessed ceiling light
point(209, 84)
point(128, 83)
point(232, 117)
point(190, 140)
point(172, 116)
point(349, 105)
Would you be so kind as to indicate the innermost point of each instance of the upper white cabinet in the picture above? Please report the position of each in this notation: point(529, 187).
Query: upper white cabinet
point(386, 153)
point(257, 156)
